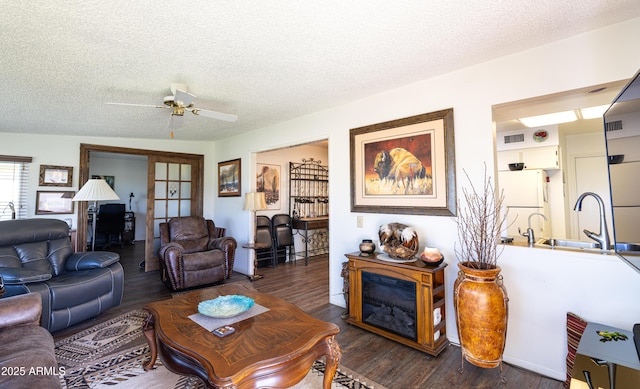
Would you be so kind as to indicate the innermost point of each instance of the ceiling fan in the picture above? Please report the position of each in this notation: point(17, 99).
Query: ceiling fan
point(180, 101)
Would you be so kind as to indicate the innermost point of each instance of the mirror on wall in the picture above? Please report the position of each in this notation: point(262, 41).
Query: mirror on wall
point(622, 129)
point(559, 162)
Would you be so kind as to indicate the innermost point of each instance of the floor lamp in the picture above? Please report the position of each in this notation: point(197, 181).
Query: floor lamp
point(254, 201)
point(95, 190)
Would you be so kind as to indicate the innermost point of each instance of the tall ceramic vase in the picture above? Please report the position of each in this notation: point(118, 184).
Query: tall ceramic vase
point(480, 301)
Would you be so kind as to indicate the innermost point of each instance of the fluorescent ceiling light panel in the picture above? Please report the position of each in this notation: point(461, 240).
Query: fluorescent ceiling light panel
point(551, 118)
point(593, 112)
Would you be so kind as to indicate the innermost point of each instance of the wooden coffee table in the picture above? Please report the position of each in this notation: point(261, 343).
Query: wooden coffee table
point(273, 349)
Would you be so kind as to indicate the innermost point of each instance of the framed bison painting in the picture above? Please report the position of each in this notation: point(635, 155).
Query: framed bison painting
point(405, 166)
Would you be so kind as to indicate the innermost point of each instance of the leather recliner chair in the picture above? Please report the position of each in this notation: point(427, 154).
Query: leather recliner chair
point(25, 345)
point(190, 254)
point(36, 256)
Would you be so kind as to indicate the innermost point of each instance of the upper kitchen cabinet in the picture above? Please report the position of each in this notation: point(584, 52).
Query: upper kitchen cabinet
point(537, 148)
point(546, 158)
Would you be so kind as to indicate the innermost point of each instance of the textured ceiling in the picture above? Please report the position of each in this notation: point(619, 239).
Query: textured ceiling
point(265, 61)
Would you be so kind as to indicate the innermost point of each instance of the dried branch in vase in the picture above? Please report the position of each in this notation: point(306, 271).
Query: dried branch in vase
point(480, 224)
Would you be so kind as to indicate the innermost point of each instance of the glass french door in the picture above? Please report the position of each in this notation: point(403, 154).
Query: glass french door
point(175, 189)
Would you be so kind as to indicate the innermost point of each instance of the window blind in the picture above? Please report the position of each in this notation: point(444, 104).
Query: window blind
point(14, 186)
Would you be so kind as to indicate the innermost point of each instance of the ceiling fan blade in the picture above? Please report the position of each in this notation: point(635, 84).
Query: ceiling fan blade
point(136, 105)
point(184, 98)
point(215, 114)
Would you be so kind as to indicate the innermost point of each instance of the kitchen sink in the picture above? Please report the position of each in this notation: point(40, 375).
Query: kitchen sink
point(578, 244)
point(623, 246)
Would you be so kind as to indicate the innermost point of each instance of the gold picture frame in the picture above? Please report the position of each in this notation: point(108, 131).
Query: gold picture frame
point(405, 166)
point(56, 175)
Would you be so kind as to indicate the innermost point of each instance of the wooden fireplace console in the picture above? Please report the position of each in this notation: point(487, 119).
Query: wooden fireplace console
point(430, 295)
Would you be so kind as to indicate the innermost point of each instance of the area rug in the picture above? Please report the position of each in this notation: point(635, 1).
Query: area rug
point(102, 339)
point(111, 354)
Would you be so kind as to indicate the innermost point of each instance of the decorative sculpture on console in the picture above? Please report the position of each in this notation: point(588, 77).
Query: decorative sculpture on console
point(398, 240)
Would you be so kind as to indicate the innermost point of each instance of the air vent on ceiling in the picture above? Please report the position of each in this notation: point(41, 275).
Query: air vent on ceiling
point(515, 138)
point(614, 126)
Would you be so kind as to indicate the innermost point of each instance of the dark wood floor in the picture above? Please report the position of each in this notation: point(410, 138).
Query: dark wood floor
point(382, 360)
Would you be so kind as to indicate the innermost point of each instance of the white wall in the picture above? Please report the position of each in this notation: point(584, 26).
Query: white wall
point(537, 282)
point(130, 176)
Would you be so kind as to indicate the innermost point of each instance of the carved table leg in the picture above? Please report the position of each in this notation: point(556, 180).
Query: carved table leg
point(149, 331)
point(332, 360)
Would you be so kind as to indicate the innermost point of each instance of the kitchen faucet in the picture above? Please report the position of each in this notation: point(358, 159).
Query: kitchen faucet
point(603, 236)
point(529, 234)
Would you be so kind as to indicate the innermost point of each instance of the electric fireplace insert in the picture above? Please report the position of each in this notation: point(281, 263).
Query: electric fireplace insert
point(389, 303)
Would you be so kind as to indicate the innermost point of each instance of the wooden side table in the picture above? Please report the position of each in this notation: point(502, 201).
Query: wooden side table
point(255, 246)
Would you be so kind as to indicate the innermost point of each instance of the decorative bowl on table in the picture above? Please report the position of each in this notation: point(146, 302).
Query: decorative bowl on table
point(431, 256)
point(433, 263)
point(367, 247)
point(225, 306)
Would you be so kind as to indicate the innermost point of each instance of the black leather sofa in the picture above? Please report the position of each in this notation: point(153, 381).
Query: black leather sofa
point(36, 256)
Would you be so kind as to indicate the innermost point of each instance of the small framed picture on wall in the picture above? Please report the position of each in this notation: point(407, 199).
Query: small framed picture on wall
point(56, 175)
point(229, 178)
point(268, 181)
point(54, 202)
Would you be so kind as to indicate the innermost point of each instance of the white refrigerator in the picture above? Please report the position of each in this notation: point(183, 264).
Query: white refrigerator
point(526, 192)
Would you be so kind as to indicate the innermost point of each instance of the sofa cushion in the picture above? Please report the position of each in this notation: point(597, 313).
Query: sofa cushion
point(9, 257)
point(190, 232)
point(25, 347)
point(203, 260)
point(75, 288)
point(59, 251)
point(40, 244)
point(19, 275)
point(91, 260)
point(13, 232)
point(33, 255)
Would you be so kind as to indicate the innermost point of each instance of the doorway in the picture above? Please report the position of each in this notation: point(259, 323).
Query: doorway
point(167, 170)
point(317, 240)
